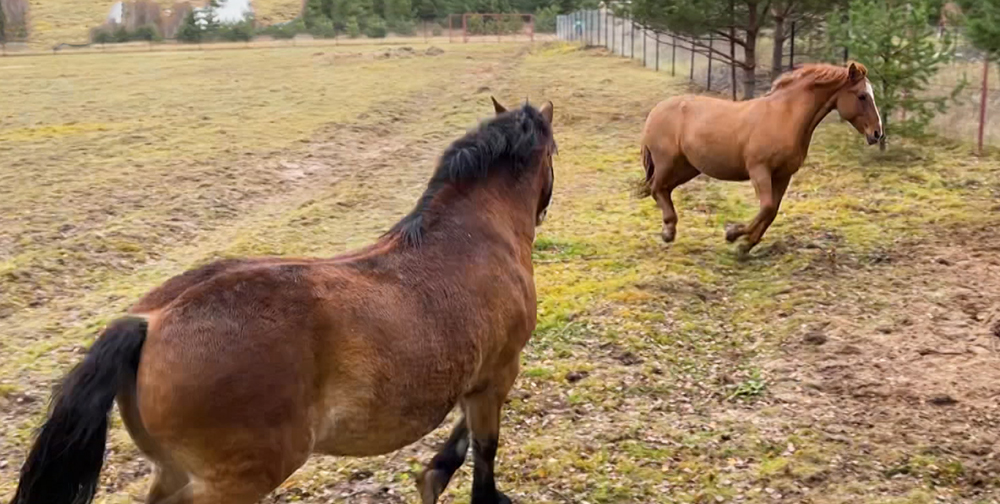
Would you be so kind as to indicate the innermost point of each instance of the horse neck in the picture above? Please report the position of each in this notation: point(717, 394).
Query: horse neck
point(493, 211)
point(811, 105)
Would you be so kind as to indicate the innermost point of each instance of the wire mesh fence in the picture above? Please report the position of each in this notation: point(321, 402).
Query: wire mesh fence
point(706, 62)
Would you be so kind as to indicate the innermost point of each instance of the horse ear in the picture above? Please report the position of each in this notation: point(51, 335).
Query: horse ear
point(546, 111)
point(854, 73)
point(500, 109)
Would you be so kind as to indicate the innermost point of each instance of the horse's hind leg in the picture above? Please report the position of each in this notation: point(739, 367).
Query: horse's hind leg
point(442, 467)
point(672, 172)
point(171, 484)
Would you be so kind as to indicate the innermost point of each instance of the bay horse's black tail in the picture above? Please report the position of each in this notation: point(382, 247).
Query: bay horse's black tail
point(65, 461)
point(643, 188)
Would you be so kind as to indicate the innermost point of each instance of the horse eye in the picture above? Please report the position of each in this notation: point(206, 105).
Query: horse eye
point(863, 97)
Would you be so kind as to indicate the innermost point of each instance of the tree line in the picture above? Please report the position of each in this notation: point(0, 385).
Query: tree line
point(351, 18)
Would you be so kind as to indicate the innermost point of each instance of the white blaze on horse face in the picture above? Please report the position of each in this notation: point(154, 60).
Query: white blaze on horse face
point(871, 96)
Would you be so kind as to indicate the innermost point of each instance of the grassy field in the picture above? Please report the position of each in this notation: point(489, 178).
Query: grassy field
point(69, 21)
point(852, 358)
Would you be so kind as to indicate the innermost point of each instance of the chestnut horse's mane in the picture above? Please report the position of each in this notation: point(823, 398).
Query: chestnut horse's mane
point(820, 74)
point(513, 136)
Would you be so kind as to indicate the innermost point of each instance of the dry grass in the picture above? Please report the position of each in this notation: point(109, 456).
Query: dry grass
point(657, 374)
point(276, 11)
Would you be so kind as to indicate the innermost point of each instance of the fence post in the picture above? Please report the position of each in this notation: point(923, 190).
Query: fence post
point(631, 38)
point(465, 28)
point(791, 59)
point(673, 55)
point(657, 50)
point(644, 37)
point(711, 44)
point(982, 102)
point(623, 37)
point(606, 30)
point(613, 37)
point(596, 36)
point(691, 77)
point(732, 54)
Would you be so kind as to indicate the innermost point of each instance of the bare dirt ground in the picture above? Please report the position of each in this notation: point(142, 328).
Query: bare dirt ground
point(852, 358)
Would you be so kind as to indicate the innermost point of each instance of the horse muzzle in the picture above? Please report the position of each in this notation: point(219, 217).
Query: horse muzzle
point(873, 137)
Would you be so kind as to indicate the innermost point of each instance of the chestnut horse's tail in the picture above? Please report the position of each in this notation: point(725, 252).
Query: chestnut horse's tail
point(643, 188)
point(65, 461)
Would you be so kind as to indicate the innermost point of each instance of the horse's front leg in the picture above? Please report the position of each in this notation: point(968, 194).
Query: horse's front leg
point(483, 411)
point(770, 190)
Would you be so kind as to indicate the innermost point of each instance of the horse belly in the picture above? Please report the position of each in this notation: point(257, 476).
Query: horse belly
point(713, 144)
point(365, 426)
point(717, 162)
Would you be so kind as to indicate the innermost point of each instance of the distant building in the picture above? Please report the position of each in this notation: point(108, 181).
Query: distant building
point(117, 14)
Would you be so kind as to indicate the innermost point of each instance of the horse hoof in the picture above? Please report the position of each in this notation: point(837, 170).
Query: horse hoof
point(669, 233)
point(430, 485)
point(733, 232)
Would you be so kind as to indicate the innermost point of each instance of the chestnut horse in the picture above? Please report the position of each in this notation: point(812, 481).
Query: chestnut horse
point(764, 140)
point(229, 376)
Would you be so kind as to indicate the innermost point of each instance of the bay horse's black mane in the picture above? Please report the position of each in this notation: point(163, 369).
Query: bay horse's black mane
point(513, 136)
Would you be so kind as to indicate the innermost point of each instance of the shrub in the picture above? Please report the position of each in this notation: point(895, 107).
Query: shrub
point(436, 31)
point(513, 23)
point(376, 28)
point(190, 32)
point(352, 28)
point(101, 35)
point(403, 27)
point(474, 25)
point(322, 27)
point(545, 19)
point(122, 35)
point(147, 32)
point(237, 32)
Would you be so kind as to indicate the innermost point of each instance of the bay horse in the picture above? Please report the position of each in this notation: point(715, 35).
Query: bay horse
point(229, 376)
point(764, 140)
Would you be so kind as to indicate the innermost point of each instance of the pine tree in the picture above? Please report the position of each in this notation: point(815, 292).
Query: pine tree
point(210, 18)
point(899, 48)
point(803, 15)
point(398, 10)
point(982, 25)
point(190, 31)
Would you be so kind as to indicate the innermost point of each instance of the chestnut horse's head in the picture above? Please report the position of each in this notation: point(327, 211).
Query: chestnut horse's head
point(856, 104)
